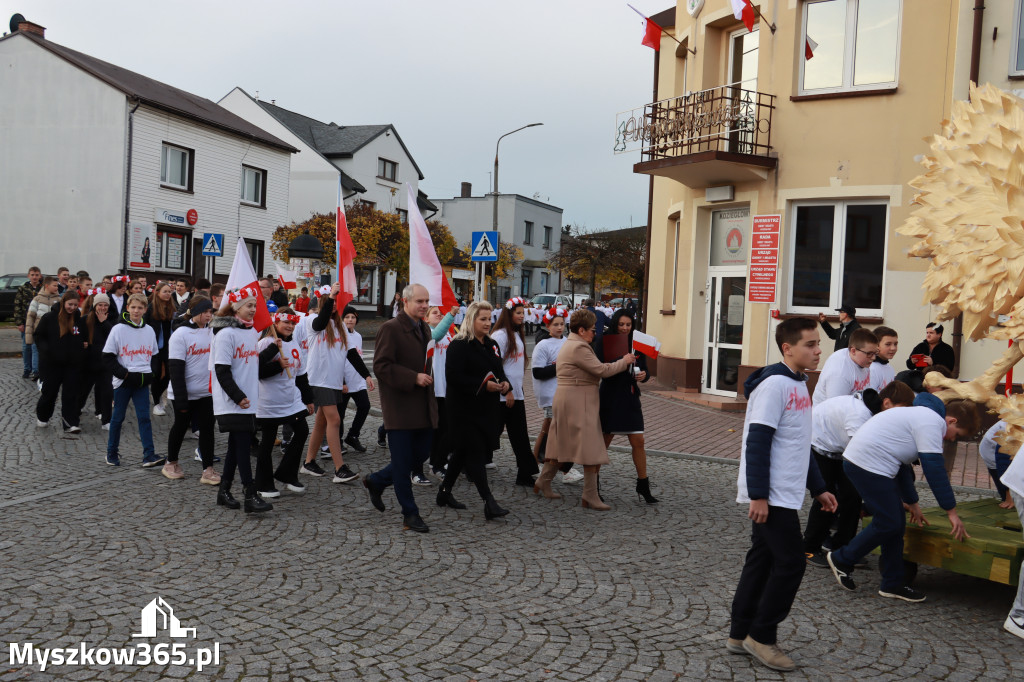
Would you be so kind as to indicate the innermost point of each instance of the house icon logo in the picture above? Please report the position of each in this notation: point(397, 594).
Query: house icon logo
point(158, 615)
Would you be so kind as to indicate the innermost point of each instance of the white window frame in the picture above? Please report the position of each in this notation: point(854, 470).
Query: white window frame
point(850, 54)
point(1015, 41)
point(165, 163)
point(260, 189)
point(675, 267)
point(838, 254)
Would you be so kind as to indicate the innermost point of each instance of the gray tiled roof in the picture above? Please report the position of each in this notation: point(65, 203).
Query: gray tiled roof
point(160, 95)
point(330, 139)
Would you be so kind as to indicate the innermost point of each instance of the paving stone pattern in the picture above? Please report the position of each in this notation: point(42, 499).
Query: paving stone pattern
point(324, 587)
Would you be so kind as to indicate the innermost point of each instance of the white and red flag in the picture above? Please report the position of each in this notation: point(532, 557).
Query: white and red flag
point(424, 267)
point(345, 252)
point(429, 360)
point(651, 31)
point(646, 344)
point(744, 11)
point(809, 47)
point(243, 275)
point(287, 278)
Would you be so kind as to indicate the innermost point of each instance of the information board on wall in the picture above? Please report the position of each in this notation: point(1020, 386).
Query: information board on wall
point(764, 258)
point(141, 245)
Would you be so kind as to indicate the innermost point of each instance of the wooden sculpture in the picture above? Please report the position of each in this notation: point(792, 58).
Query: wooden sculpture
point(970, 222)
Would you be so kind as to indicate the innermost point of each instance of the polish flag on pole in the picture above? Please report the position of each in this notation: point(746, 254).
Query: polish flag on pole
point(424, 267)
point(652, 32)
point(809, 47)
point(428, 361)
point(287, 278)
point(243, 275)
point(744, 11)
point(345, 272)
point(646, 344)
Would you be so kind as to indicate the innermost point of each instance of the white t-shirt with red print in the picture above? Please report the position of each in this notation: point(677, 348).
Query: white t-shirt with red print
point(133, 346)
point(279, 396)
point(515, 366)
point(327, 361)
point(237, 348)
point(840, 376)
point(192, 345)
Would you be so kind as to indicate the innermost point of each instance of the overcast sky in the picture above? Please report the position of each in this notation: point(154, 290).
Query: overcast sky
point(451, 75)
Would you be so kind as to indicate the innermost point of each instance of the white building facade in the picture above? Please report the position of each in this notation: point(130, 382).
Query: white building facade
point(370, 161)
point(97, 156)
point(532, 225)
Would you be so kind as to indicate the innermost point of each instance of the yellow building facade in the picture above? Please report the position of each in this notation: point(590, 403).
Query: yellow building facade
point(780, 162)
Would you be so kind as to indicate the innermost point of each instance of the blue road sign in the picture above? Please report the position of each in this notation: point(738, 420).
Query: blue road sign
point(213, 244)
point(485, 247)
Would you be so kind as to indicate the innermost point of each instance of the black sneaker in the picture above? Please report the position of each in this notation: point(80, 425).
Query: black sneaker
point(269, 493)
point(842, 574)
point(375, 494)
point(343, 475)
point(906, 593)
point(817, 559)
point(312, 469)
point(356, 445)
point(382, 439)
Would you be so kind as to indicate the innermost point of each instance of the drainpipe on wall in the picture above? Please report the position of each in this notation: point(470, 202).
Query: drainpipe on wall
point(128, 190)
point(979, 15)
point(650, 213)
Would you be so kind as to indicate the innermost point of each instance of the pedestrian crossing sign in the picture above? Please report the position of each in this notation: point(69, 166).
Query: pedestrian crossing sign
point(485, 247)
point(213, 244)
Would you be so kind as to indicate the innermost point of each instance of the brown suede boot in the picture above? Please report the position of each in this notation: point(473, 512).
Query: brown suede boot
point(591, 499)
point(543, 484)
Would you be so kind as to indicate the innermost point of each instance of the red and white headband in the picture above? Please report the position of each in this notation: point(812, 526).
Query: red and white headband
point(121, 278)
point(325, 290)
point(97, 290)
point(286, 317)
point(554, 312)
point(240, 295)
point(514, 301)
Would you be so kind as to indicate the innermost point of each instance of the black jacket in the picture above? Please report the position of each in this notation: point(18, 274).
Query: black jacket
point(942, 355)
point(469, 406)
point(94, 352)
point(159, 327)
point(842, 334)
point(54, 349)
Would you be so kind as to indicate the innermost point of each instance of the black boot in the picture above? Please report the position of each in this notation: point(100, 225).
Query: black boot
point(492, 510)
point(445, 499)
point(253, 502)
point(224, 497)
point(643, 490)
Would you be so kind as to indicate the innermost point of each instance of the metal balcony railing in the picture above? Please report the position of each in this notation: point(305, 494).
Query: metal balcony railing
point(727, 118)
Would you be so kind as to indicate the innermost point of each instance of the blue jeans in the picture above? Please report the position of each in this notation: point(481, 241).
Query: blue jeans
point(409, 448)
point(888, 521)
point(123, 395)
point(29, 356)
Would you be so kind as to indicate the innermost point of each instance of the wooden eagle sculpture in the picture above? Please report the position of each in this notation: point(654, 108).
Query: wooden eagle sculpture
point(970, 223)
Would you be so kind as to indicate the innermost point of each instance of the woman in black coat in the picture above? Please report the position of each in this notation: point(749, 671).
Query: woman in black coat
point(473, 372)
point(621, 411)
point(98, 324)
point(61, 338)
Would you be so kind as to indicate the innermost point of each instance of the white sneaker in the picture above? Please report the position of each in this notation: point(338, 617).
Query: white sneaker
point(572, 476)
point(99, 416)
point(42, 424)
point(39, 385)
point(198, 458)
point(195, 435)
point(105, 427)
point(158, 410)
point(1013, 627)
point(490, 465)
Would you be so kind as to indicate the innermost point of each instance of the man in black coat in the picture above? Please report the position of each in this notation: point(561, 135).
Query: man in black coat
point(847, 325)
point(934, 349)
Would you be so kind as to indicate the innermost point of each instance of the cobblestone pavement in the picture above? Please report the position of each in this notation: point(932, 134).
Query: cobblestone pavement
point(324, 587)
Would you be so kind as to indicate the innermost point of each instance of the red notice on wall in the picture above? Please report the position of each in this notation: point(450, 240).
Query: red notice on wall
point(764, 258)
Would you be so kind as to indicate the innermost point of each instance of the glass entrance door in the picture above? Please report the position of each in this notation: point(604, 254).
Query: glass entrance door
point(724, 339)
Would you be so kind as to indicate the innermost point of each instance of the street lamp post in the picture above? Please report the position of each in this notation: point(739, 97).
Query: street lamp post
point(495, 224)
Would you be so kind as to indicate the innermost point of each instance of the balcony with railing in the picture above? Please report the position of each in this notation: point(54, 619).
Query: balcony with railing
point(715, 136)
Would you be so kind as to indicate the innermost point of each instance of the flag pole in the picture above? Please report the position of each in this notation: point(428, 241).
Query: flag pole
point(663, 31)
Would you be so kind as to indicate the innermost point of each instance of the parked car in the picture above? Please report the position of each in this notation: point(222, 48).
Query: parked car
point(548, 300)
point(9, 285)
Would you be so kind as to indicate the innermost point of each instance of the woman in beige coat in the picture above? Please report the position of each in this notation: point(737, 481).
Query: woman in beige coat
point(575, 434)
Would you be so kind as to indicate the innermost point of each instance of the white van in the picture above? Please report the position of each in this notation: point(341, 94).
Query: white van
point(548, 300)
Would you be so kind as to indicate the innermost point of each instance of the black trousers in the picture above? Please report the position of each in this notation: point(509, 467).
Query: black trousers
point(161, 374)
point(470, 454)
point(362, 401)
point(771, 576)
point(819, 522)
point(513, 420)
point(187, 413)
point(237, 457)
point(288, 470)
point(54, 377)
point(99, 383)
point(442, 446)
